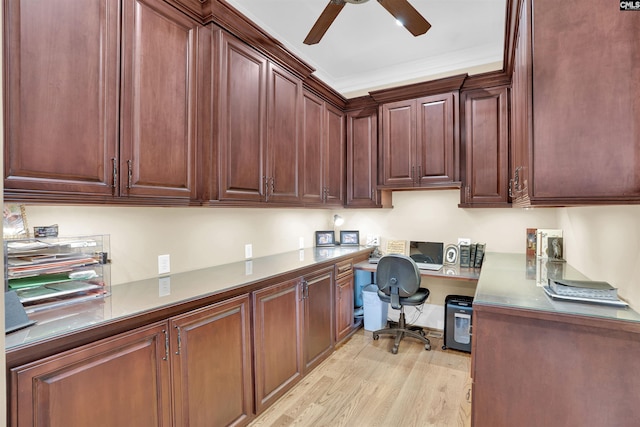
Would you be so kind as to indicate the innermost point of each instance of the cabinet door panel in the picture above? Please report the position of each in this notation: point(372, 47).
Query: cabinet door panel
point(362, 158)
point(312, 149)
point(61, 119)
point(398, 143)
point(159, 101)
point(344, 307)
point(277, 332)
point(334, 159)
point(435, 139)
point(116, 382)
point(242, 121)
point(283, 148)
point(211, 356)
point(318, 318)
point(486, 146)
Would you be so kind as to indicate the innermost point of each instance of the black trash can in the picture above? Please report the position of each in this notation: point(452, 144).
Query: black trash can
point(458, 312)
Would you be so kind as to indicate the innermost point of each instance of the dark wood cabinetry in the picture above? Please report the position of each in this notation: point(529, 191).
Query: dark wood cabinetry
point(203, 356)
point(419, 139)
point(123, 380)
point(323, 146)
point(485, 151)
point(362, 158)
point(73, 138)
point(318, 297)
point(585, 101)
point(344, 300)
point(277, 329)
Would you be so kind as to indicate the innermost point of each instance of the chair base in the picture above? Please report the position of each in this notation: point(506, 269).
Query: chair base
point(403, 330)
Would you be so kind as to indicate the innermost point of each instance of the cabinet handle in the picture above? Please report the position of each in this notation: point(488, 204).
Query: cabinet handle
point(511, 188)
point(129, 173)
point(166, 345)
point(413, 174)
point(419, 177)
point(273, 185)
point(265, 184)
point(179, 340)
point(115, 175)
point(305, 289)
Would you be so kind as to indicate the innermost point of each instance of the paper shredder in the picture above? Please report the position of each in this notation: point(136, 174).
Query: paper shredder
point(457, 324)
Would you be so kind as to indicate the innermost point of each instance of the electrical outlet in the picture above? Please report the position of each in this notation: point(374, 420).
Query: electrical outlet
point(164, 264)
point(464, 241)
point(248, 250)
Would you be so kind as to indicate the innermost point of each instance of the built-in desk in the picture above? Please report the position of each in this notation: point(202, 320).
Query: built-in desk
point(540, 362)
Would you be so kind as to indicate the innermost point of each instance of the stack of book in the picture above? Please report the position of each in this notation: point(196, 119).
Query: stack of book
point(471, 256)
point(583, 291)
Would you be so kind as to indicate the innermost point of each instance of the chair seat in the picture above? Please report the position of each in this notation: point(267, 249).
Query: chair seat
point(418, 298)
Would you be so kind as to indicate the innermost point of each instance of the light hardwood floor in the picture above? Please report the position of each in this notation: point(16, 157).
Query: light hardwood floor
point(363, 384)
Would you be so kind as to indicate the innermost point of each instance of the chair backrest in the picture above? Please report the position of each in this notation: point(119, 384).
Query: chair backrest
point(397, 276)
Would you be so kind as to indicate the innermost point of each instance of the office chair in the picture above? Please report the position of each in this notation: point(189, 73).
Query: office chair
point(398, 280)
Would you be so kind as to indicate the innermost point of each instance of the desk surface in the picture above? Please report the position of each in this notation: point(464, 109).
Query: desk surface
point(446, 272)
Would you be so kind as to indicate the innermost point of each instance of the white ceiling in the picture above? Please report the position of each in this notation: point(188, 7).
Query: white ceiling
point(364, 49)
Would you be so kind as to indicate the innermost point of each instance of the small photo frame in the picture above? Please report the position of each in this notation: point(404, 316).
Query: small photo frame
point(451, 254)
point(325, 238)
point(14, 222)
point(349, 238)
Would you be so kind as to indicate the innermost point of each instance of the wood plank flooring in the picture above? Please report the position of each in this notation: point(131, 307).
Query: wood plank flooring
point(363, 384)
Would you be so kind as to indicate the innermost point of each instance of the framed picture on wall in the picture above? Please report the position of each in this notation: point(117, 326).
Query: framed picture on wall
point(325, 238)
point(350, 238)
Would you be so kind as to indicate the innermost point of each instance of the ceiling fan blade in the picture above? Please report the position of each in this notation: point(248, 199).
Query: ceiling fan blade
point(326, 18)
point(405, 13)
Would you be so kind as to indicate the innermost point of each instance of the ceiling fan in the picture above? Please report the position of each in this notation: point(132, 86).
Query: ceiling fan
point(400, 9)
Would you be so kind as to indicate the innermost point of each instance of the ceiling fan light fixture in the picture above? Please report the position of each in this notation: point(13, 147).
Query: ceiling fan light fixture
point(399, 23)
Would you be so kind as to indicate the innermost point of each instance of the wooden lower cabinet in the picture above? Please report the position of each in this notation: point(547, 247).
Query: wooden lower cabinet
point(192, 370)
point(277, 323)
point(318, 317)
point(533, 368)
point(344, 307)
point(121, 381)
point(211, 364)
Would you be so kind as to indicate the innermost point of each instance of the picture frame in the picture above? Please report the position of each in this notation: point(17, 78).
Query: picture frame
point(451, 255)
point(14, 222)
point(325, 238)
point(349, 238)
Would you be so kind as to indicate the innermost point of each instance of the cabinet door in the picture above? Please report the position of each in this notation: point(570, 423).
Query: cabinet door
point(486, 149)
point(344, 306)
point(283, 147)
point(211, 356)
point(242, 121)
point(159, 102)
point(277, 329)
point(437, 140)
point(61, 125)
point(318, 317)
point(362, 158)
point(399, 144)
point(312, 172)
point(586, 104)
point(334, 158)
point(121, 381)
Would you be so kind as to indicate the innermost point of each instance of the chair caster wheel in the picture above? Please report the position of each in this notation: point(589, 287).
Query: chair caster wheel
point(427, 347)
point(375, 337)
point(394, 350)
point(444, 347)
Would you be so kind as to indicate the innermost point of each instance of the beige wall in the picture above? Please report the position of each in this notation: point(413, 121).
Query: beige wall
point(602, 242)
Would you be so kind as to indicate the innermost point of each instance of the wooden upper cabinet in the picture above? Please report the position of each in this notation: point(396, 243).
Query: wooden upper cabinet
point(260, 108)
point(362, 158)
point(323, 152)
point(67, 138)
point(485, 147)
point(61, 94)
point(159, 101)
point(419, 145)
point(284, 101)
point(242, 122)
point(586, 104)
